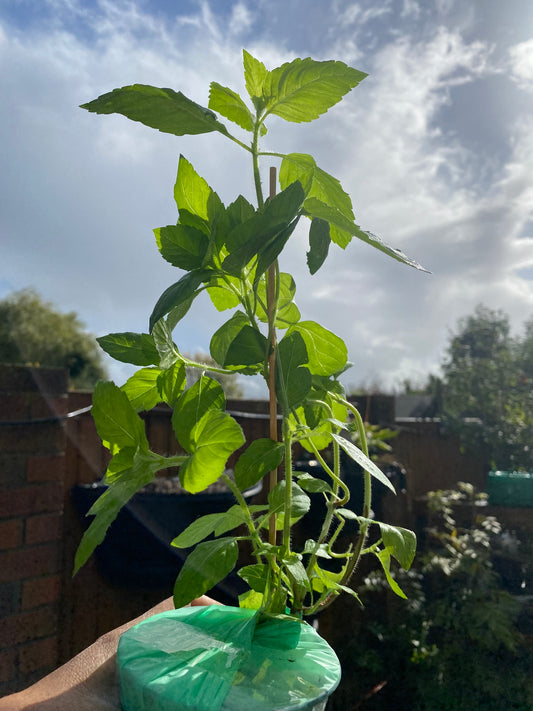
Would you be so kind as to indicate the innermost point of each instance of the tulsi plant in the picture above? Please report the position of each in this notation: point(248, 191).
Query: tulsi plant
point(233, 253)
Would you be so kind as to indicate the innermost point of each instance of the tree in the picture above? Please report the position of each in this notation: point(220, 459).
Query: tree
point(34, 332)
point(487, 389)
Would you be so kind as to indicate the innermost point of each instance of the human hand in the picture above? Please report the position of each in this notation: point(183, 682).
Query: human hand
point(88, 682)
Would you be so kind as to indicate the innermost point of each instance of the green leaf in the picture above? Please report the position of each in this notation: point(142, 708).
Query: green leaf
point(135, 348)
point(313, 548)
point(142, 390)
point(319, 241)
point(199, 530)
point(327, 354)
point(300, 503)
point(164, 109)
point(304, 89)
point(208, 564)
point(318, 184)
point(255, 75)
point(212, 440)
point(384, 557)
point(221, 295)
point(204, 395)
point(256, 235)
point(288, 313)
point(312, 484)
point(168, 353)
point(316, 208)
point(293, 379)
point(255, 575)
point(171, 382)
point(179, 294)
point(228, 103)
point(368, 465)
point(298, 573)
point(238, 346)
point(262, 456)
point(401, 542)
point(192, 195)
point(251, 600)
point(181, 245)
point(116, 421)
point(128, 476)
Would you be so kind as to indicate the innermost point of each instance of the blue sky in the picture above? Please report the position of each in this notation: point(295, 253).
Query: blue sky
point(435, 148)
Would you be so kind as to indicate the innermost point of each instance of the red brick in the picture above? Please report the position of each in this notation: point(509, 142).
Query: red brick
point(41, 591)
point(10, 533)
point(29, 562)
point(12, 407)
point(38, 655)
point(30, 500)
point(47, 407)
point(36, 438)
point(43, 528)
point(8, 667)
point(29, 625)
point(46, 468)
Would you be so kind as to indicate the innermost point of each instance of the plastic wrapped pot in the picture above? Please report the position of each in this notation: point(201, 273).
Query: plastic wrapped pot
point(221, 658)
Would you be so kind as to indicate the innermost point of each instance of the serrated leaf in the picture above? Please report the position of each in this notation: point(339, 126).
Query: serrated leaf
point(255, 75)
point(304, 89)
point(164, 109)
point(179, 294)
point(182, 246)
point(168, 353)
point(208, 564)
point(326, 353)
point(116, 421)
point(262, 456)
point(128, 476)
point(368, 465)
point(192, 193)
point(204, 395)
point(127, 347)
point(222, 296)
point(142, 390)
point(171, 382)
point(228, 103)
point(212, 440)
point(316, 208)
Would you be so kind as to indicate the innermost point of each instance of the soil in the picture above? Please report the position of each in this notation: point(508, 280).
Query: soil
point(172, 485)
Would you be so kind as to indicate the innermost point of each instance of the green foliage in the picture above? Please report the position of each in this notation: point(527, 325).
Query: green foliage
point(232, 252)
point(455, 644)
point(487, 393)
point(34, 332)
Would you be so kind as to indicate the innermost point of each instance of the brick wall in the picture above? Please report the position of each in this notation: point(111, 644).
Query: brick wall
point(32, 467)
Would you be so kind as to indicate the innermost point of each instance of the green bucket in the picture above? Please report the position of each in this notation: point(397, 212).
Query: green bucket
point(221, 658)
point(510, 488)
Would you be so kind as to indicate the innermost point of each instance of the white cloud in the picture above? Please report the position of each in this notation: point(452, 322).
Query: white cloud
point(521, 61)
point(80, 193)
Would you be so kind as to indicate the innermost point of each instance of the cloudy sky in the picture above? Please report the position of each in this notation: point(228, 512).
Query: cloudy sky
point(435, 148)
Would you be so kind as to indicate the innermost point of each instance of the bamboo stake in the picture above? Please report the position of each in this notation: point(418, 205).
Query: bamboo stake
point(271, 296)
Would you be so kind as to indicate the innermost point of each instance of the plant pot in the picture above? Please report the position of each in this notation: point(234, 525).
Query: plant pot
point(221, 658)
point(136, 553)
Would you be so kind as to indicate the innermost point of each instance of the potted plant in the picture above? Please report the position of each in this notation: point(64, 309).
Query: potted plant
point(261, 652)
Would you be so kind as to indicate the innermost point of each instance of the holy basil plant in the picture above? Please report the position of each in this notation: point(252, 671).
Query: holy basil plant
point(233, 252)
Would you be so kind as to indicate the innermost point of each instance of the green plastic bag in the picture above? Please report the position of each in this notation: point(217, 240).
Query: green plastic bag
point(221, 658)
